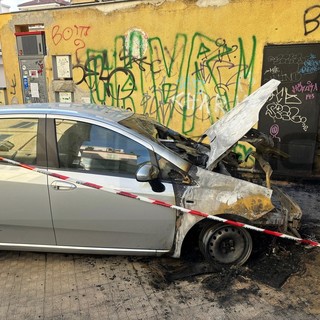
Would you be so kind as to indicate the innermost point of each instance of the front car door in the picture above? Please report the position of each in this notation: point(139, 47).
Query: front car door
point(25, 216)
point(86, 217)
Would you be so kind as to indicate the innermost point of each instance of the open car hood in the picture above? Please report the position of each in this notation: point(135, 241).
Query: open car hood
point(227, 131)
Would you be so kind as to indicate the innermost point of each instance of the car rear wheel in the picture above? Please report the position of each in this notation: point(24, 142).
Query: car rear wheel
point(225, 245)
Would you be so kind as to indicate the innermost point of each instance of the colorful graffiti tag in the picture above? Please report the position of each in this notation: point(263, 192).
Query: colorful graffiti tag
point(76, 34)
point(195, 82)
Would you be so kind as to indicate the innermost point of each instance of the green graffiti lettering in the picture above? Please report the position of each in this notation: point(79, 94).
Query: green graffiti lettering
point(192, 83)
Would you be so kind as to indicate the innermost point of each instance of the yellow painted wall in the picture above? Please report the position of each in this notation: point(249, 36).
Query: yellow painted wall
point(184, 62)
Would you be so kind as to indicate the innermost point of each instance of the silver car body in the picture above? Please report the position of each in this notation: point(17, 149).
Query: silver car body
point(40, 212)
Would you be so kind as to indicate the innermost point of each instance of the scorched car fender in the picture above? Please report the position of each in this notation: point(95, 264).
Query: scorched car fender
point(218, 194)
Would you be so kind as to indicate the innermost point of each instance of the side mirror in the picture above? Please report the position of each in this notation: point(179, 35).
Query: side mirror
point(147, 172)
point(150, 173)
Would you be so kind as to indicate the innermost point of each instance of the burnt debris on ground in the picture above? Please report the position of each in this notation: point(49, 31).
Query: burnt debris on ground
point(271, 266)
point(273, 260)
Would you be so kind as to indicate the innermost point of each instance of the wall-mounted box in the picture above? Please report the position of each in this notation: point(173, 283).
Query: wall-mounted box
point(31, 43)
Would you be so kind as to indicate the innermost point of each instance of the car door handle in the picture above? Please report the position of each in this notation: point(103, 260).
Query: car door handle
point(63, 185)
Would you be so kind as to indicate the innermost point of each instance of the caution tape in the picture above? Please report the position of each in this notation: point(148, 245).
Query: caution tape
point(162, 203)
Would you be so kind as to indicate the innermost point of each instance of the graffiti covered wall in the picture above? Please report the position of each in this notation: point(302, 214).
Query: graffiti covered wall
point(185, 63)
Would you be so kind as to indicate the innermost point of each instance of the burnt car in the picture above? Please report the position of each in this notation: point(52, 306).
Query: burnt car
point(124, 151)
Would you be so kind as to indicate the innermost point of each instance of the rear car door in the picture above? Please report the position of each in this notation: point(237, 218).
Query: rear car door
point(25, 216)
point(94, 152)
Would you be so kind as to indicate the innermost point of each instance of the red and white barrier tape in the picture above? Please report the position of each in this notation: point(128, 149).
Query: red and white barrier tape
point(161, 203)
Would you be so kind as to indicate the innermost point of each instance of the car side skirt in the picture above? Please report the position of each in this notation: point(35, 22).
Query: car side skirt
point(75, 249)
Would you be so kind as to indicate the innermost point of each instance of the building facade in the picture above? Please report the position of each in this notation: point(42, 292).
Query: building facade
point(184, 62)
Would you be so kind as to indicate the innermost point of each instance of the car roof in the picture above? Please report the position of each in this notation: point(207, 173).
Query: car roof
point(90, 111)
point(94, 112)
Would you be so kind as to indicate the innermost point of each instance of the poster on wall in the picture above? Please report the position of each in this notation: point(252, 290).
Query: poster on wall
point(65, 97)
point(63, 67)
point(34, 88)
point(291, 115)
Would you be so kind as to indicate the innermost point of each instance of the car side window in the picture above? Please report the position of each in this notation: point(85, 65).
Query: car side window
point(92, 148)
point(18, 139)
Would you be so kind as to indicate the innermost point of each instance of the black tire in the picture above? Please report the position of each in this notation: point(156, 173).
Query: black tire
point(225, 245)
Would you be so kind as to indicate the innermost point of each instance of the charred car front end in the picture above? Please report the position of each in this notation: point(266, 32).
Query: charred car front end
point(217, 183)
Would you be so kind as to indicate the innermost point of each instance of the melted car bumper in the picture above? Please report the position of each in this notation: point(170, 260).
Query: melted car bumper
point(286, 216)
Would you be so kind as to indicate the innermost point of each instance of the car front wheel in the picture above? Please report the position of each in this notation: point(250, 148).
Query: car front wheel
point(225, 245)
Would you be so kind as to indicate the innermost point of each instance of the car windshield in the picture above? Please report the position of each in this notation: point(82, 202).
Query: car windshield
point(186, 148)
